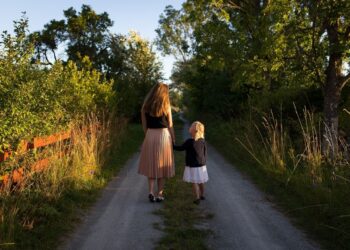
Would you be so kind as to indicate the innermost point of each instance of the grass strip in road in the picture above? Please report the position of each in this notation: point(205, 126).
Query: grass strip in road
point(182, 218)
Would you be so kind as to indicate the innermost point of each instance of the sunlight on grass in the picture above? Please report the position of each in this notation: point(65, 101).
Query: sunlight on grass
point(47, 201)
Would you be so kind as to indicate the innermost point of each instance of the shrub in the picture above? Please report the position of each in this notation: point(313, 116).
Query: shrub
point(37, 100)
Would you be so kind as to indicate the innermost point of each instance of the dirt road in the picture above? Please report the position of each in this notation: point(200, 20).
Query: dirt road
point(243, 218)
point(122, 218)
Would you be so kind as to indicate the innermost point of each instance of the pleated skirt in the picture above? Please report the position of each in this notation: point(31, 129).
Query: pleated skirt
point(196, 175)
point(157, 158)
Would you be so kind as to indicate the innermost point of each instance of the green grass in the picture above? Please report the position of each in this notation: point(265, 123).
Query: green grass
point(55, 218)
point(179, 213)
point(322, 209)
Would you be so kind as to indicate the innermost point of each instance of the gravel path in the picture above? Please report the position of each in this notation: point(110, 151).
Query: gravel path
point(243, 218)
point(122, 218)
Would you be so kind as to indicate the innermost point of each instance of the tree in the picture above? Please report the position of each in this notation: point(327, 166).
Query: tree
point(87, 34)
point(48, 40)
point(266, 45)
point(174, 34)
point(83, 33)
point(319, 31)
point(330, 20)
point(141, 70)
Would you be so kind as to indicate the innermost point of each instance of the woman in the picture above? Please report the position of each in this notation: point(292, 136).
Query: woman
point(157, 160)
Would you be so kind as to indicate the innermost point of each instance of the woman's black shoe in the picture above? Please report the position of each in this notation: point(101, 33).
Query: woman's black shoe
point(197, 201)
point(202, 198)
point(151, 198)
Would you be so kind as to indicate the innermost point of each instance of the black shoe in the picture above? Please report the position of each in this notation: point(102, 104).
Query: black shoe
point(159, 199)
point(151, 198)
point(197, 201)
point(202, 198)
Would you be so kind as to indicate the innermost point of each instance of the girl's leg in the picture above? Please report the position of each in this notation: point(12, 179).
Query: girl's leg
point(160, 182)
point(201, 189)
point(195, 189)
point(151, 185)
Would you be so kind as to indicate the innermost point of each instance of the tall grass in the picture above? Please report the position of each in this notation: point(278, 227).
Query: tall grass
point(271, 146)
point(311, 134)
point(74, 166)
point(285, 159)
point(272, 139)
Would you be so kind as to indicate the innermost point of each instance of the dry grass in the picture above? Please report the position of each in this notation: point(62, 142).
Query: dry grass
point(74, 166)
point(272, 143)
point(271, 146)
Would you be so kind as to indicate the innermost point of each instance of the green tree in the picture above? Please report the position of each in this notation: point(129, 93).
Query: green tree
point(174, 34)
point(83, 33)
point(48, 40)
point(87, 34)
point(264, 46)
point(327, 25)
point(141, 70)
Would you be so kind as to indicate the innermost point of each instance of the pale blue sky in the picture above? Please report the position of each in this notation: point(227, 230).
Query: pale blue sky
point(139, 15)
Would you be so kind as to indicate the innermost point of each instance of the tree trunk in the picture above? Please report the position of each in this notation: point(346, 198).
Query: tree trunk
point(332, 90)
point(331, 102)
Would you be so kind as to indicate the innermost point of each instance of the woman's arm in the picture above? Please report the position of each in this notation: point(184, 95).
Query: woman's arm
point(144, 121)
point(171, 126)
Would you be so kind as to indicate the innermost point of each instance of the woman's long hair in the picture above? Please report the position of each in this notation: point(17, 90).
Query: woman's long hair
point(157, 100)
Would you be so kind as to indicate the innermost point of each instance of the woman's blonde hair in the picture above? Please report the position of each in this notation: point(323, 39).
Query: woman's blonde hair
point(157, 100)
point(199, 130)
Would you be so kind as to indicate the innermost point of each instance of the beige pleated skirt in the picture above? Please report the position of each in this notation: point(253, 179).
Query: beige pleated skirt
point(157, 158)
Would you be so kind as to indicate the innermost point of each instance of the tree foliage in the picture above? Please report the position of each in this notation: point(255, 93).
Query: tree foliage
point(241, 48)
point(83, 33)
point(128, 60)
point(41, 92)
point(36, 101)
point(141, 70)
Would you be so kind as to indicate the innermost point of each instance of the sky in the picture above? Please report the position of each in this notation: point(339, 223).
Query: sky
point(138, 15)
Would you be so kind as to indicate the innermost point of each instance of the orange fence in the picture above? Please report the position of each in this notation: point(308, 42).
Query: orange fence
point(16, 176)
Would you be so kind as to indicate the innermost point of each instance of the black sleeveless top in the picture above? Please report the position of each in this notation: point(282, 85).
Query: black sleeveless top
point(156, 122)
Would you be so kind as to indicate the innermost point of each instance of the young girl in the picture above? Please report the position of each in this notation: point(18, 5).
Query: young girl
point(196, 152)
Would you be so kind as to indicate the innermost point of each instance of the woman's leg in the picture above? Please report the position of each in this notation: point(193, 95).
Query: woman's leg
point(160, 182)
point(151, 185)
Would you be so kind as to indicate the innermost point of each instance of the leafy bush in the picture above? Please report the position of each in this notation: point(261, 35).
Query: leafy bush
point(36, 100)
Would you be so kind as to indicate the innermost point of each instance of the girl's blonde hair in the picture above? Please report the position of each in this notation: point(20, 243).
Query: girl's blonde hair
point(199, 130)
point(157, 100)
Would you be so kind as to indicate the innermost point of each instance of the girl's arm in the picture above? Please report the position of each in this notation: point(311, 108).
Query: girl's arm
point(180, 148)
point(171, 126)
point(143, 120)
